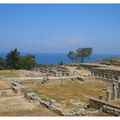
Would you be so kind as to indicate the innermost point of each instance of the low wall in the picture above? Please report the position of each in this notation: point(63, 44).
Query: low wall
point(53, 108)
point(34, 96)
point(97, 104)
point(89, 65)
point(105, 73)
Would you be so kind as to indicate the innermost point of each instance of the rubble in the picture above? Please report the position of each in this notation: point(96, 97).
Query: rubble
point(76, 111)
point(45, 79)
point(16, 86)
point(111, 110)
point(3, 93)
point(31, 96)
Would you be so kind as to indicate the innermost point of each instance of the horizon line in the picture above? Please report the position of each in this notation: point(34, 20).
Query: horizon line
point(24, 52)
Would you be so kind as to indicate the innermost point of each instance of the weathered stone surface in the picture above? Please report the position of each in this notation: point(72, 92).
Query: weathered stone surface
point(115, 89)
point(45, 79)
point(54, 70)
point(111, 110)
point(52, 105)
point(52, 102)
point(105, 72)
point(16, 86)
point(76, 112)
point(32, 96)
point(3, 93)
point(105, 106)
point(108, 95)
point(81, 78)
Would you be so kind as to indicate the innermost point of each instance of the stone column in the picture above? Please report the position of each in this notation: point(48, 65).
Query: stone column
point(99, 75)
point(108, 95)
point(103, 76)
point(92, 73)
point(114, 91)
point(119, 88)
point(106, 76)
point(95, 74)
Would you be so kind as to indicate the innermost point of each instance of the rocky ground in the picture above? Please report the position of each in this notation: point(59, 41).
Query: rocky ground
point(12, 104)
point(68, 94)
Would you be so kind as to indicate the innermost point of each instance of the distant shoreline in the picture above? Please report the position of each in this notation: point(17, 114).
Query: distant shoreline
point(55, 58)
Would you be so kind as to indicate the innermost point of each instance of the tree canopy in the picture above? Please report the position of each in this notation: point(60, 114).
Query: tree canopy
point(27, 62)
point(13, 60)
point(83, 53)
point(1, 63)
point(73, 56)
point(79, 55)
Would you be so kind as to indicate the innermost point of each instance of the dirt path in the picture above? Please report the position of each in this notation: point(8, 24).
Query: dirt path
point(38, 78)
point(19, 106)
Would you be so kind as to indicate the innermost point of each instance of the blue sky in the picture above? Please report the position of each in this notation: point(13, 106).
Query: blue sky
point(59, 28)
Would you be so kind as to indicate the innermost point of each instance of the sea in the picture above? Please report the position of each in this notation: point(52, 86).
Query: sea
point(56, 58)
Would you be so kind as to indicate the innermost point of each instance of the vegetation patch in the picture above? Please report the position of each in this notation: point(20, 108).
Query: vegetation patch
point(111, 61)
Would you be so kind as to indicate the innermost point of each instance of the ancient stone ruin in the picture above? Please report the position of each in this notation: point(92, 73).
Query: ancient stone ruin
point(55, 70)
point(116, 89)
point(16, 86)
point(114, 92)
point(105, 73)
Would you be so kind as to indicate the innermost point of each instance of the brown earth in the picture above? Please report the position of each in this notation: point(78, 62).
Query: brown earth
point(67, 93)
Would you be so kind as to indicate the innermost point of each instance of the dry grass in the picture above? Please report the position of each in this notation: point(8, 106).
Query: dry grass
point(78, 71)
point(74, 90)
point(12, 105)
point(41, 111)
point(9, 73)
point(65, 93)
point(19, 106)
point(4, 84)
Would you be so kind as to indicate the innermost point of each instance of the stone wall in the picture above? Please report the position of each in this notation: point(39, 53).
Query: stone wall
point(111, 110)
point(51, 104)
point(89, 66)
point(54, 70)
point(105, 73)
point(105, 106)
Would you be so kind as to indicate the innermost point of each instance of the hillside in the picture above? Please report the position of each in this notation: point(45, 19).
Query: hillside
point(111, 61)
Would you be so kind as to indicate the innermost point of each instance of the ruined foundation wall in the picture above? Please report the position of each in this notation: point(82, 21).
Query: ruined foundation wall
point(106, 73)
point(97, 104)
point(105, 107)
